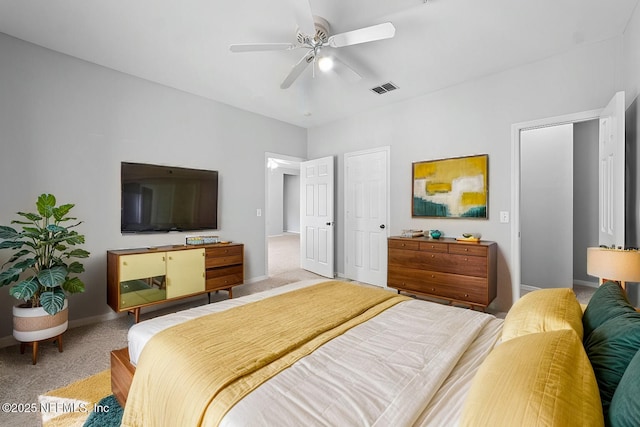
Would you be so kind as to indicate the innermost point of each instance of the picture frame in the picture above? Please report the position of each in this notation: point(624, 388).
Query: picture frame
point(456, 187)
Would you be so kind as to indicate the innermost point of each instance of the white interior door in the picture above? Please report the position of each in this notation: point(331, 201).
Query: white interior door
point(366, 213)
point(317, 216)
point(612, 170)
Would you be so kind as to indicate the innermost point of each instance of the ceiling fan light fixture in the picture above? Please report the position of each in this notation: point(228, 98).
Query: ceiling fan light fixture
point(325, 64)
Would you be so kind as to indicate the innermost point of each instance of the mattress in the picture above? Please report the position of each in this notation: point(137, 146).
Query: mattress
point(410, 365)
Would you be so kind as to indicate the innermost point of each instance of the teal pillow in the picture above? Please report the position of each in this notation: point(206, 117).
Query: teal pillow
point(625, 405)
point(610, 349)
point(608, 301)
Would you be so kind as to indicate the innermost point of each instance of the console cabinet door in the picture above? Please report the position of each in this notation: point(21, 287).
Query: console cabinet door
point(185, 272)
point(141, 279)
point(142, 266)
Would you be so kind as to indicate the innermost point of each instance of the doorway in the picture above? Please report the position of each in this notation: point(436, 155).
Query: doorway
point(282, 213)
point(558, 204)
point(584, 131)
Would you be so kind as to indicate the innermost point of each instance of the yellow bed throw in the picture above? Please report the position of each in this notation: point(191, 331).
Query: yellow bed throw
point(193, 373)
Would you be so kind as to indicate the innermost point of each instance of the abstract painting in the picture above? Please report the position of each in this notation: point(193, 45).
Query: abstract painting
point(451, 188)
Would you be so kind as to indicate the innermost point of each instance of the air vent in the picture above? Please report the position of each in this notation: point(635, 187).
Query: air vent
point(384, 88)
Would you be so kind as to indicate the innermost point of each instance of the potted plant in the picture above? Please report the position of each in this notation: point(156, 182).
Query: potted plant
point(43, 265)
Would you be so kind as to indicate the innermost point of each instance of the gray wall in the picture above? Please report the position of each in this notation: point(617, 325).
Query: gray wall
point(280, 202)
point(585, 197)
point(471, 118)
point(65, 126)
point(546, 206)
point(292, 203)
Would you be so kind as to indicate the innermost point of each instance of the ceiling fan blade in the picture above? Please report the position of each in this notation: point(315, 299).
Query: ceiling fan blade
point(304, 16)
point(258, 47)
point(363, 35)
point(296, 70)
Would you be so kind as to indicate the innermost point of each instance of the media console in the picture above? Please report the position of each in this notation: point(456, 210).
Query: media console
point(143, 277)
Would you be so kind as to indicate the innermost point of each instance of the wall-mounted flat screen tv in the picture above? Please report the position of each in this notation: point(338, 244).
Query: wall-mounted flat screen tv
point(163, 198)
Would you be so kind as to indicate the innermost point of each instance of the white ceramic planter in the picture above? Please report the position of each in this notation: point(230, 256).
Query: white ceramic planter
point(35, 324)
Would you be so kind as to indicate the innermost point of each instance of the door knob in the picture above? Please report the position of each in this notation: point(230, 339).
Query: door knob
point(382, 226)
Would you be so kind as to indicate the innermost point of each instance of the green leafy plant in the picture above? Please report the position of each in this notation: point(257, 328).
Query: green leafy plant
point(43, 260)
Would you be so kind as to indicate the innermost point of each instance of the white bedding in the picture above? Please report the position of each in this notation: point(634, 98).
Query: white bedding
point(410, 365)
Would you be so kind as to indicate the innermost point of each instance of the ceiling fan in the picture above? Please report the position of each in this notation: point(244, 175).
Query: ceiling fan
point(313, 35)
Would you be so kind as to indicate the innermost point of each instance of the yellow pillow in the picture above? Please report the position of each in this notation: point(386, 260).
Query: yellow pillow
point(543, 310)
point(542, 379)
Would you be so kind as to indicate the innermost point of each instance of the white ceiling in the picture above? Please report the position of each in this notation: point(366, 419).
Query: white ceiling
point(185, 44)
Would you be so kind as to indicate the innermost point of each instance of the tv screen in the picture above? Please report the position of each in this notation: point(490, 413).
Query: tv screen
point(163, 198)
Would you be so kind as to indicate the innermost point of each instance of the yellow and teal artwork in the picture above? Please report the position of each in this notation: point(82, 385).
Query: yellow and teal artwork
point(451, 188)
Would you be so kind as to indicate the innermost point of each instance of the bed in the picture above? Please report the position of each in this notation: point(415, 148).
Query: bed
point(411, 362)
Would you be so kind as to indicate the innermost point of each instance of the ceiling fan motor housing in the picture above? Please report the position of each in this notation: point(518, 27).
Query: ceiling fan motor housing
point(321, 35)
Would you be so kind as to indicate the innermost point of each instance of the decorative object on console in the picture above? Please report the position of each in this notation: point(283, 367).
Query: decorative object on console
point(619, 265)
point(412, 233)
point(469, 237)
point(201, 240)
point(451, 188)
point(435, 234)
point(45, 268)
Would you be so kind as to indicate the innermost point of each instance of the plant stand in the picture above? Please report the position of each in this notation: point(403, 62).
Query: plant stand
point(32, 326)
point(34, 345)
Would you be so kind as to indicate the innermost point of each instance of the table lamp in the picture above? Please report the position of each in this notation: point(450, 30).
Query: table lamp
point(618, 265)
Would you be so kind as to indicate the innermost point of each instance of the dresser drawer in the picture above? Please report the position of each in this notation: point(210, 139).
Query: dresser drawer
point(434, 247)
point(224, 255)
point(413, 245)
point(448, 286)
point(222, 278)
point(468, 249)
point(442, 262)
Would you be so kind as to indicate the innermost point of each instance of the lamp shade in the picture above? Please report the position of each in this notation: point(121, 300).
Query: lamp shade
point(614, 264)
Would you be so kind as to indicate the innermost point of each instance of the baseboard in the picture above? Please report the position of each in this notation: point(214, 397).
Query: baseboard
point(529, 288)
point(93, 319)
point(586, 283)
point(7, 341)
point(256, 279)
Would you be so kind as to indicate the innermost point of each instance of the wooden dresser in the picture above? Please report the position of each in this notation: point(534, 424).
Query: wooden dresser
point(461, 272)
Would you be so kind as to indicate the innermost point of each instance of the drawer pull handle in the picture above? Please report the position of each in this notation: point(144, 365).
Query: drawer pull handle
point(433, 276)
point(466, 295)
point(433, 256)
point(403, 245)
point(466, 259)
point(433, 289)
point(124, 263)
point(466, 249)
